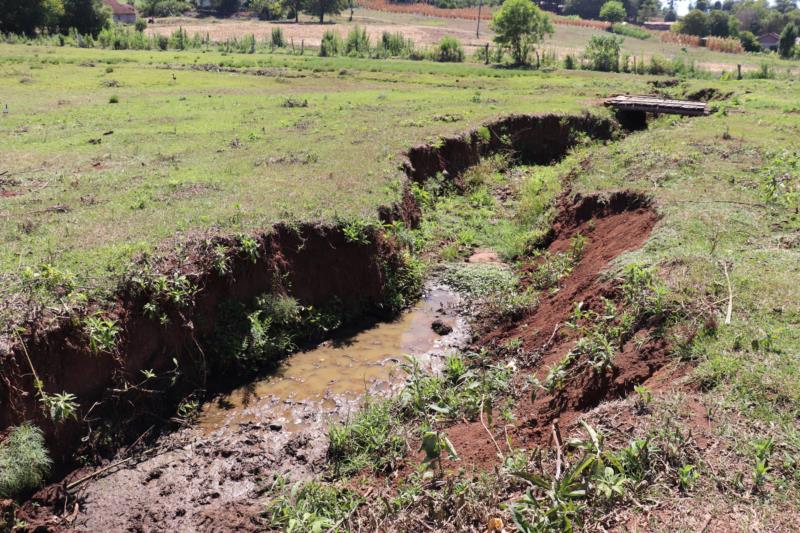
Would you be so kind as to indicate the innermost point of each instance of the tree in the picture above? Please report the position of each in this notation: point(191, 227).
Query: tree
point(293, 8)
point(670, 13)
point(647, 10)
point(613, 11)
point(86, 16)
point(519, 26)
point(788, 40)
point(702, 5)
point(586, 9)
point(694, 23)
point(720, 24)
point(320, 8)
point(226, 8)
point(28, 16)
point(749, 42)
point(785, 6)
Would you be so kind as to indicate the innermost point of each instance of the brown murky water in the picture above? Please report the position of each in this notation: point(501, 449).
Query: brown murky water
point(323, 382)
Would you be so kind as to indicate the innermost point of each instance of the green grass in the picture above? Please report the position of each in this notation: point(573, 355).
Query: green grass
point(24, 461)
point(211, 151)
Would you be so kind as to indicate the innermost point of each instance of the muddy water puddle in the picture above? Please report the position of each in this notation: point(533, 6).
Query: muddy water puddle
point(327, 381)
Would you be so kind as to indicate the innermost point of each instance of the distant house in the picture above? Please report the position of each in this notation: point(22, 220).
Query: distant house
point(769, 41)
point(121, 12)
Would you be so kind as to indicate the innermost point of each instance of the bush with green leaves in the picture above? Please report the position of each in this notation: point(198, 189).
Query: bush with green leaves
point(448, 49)
point(613, 11)
point(519, 27)
point(24, 461)
point(603, 52)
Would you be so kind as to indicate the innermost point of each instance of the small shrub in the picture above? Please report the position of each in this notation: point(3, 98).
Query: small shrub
point(331, 44)
point(603, 52)
point(140, 25)
point(449, 50)
point(357, 43)
point(114, 99)
point(24, 461)
point(278, 39)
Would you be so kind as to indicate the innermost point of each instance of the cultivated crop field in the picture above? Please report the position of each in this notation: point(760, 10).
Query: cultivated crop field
point(627, 327)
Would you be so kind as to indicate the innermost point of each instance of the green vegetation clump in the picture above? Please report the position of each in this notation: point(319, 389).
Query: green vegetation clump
point(24, 461)
point(309, 506)
point(448, 50)
point(603, 53)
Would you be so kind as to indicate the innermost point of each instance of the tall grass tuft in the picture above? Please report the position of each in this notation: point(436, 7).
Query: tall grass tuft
point(357, 43)
point(24, 461)
point(278, 40)
point(331, 44)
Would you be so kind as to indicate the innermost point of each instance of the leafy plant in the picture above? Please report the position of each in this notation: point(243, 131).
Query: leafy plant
point(102, 333)
point(687, 475)
point(448, 49)
point(59, 406)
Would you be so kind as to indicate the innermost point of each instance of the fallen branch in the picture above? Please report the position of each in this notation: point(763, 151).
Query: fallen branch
point(730, 293)
point(499, 451)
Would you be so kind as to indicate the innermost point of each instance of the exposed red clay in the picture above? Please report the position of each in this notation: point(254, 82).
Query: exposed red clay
point(612, 225)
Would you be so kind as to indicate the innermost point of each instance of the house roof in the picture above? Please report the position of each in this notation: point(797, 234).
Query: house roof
point(120, 8)
point(769, 37)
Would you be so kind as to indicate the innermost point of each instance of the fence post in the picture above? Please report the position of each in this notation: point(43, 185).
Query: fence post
point(739, 72)
point(487, 53)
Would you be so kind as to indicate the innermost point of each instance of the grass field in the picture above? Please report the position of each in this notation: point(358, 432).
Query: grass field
point(193, 151)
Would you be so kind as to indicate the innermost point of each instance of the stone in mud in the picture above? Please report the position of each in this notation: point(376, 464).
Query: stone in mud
point(440, 327)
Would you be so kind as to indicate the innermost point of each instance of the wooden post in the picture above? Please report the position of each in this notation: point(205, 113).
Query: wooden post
point(739, 72)
point(302, 46)
point(292, 41)
point(487, 53)
point(478, 28)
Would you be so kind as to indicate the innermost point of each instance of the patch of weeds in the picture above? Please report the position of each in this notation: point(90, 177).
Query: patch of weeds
point(250, 247)
point(493, 290)
point(311, 506)
point(114, 99)
point(591, 477)
point(357, 230)
point(102, 333)
point(403, 283)
point(294, 102)
point(248, 337)
point(372, 439)
point(24, 461)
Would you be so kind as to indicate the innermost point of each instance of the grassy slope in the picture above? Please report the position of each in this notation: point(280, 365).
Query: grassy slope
point(170, 165)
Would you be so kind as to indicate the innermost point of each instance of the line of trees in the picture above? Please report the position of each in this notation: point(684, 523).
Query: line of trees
point(745, 20)
point(56, 16)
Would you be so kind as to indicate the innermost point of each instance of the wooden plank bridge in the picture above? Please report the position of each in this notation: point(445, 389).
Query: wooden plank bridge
point(657, 106)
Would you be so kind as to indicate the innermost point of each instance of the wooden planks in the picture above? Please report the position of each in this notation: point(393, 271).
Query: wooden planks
point(652, 104)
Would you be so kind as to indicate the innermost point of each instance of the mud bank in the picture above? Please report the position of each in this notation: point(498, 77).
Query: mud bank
point(316, 265)
point(530, 139)
point(612, 224)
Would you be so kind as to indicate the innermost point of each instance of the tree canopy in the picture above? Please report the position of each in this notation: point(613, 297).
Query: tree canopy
point(320, 8)
point(613, 11)
point(519, 26)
